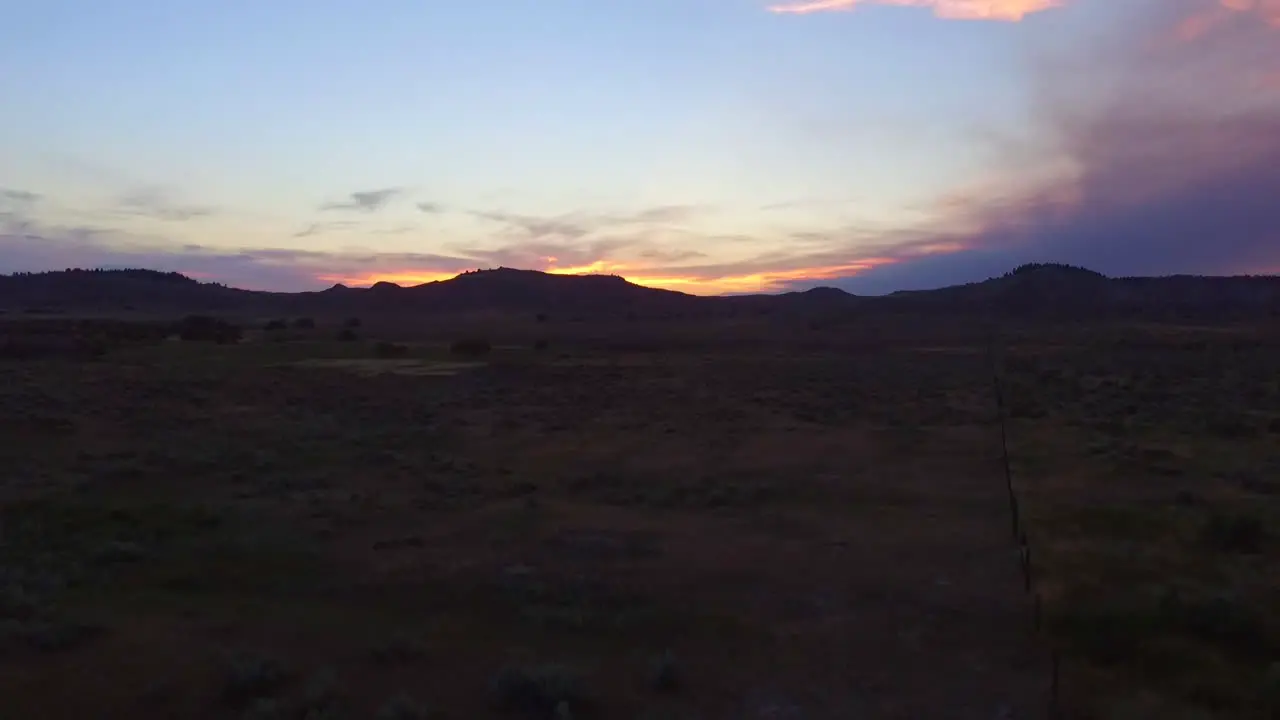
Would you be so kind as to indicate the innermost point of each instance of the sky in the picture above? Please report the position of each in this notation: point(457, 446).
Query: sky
point(708, 146)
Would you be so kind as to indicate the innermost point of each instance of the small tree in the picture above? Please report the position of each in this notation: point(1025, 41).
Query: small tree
point(304, 323)
point(472, 347)
point(390, 350)
point(352, 322)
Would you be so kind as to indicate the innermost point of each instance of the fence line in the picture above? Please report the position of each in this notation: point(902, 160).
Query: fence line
point(1019, 533)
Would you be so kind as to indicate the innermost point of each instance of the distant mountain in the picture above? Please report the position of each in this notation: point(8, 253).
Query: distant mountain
point(1034, 291)
point(500, 289)
point(1047, 290)
point(93, 290)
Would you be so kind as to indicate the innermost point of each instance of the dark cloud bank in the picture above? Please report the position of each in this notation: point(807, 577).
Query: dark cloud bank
point(1175, 143)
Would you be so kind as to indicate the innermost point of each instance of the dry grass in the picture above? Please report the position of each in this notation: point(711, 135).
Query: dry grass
point(1149, 461)
point(813, 528)
point(393, 366)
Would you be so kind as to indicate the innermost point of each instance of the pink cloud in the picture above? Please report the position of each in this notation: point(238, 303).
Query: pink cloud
point(1008, 10)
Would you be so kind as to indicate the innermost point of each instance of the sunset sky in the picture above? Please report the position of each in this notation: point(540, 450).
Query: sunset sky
point(709, 146)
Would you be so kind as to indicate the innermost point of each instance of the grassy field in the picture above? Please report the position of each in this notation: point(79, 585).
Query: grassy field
point(1148, 462)
point(775, 529)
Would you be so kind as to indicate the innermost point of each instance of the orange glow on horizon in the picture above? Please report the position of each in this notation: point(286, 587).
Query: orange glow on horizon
point(399, 277)
point(1007, 10)
point(765, 281)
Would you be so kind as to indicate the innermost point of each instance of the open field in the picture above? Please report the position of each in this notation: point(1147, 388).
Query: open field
point(1148, 462)
point(768, 529)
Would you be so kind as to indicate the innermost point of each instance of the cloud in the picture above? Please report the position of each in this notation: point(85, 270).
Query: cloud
point(27, 245)
point(802, 203)
point(431, 208)
point(398, 230)
point(574, 226)
point(321, 228)
point(1009, 10)
point(19, 196)
point(661, 214)
point(365, 201)
point(658, 255)
point(638, 244)
point(1149, 152)
point(159, 204)
point(566, 226)
point(1167, 161)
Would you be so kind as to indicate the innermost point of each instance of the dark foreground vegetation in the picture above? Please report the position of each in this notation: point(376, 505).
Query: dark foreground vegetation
point(522, 515)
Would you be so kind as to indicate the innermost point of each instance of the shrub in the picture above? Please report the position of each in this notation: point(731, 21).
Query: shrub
point(1271, 689)
point(537, 692)
point(474, 347)
point(541, 317)
point(352, 322)
point(347, 335)
point(390, 350)
point(666, 674)
point(275, 326)
point(319, 697)
point(46, 636)
point(400, 651)
point(403, 707)
point(266, 709)
point(251, 676)
point(541, 344)
point(202, 328)
point(51, 347)
point(304, 323)
point(1234, 533)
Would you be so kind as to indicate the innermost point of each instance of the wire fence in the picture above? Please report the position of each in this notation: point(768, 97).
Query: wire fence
point(1020, 536)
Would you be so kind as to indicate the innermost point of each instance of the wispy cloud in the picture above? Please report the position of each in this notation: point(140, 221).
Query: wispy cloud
point(573, 226)
point(321, 228)
point(30, 245)
point(649, 259)
point(798, 204)
point(158, 203)
point(1009, 10)
point(565, 226)
point(398, 230)
point(661, 214)
point(19, 196)
point(365, 200)
point(431, 208)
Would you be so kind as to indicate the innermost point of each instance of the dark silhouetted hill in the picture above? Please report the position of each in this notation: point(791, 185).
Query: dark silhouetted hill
point(500, 289)
point(1055, 291)
point(507, 289)
point(110, 290)
point(1049, 291)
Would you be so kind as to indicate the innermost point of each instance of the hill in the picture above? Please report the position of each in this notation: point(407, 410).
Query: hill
point(1034, 291)
point(1055, 291)
point(506, 289)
